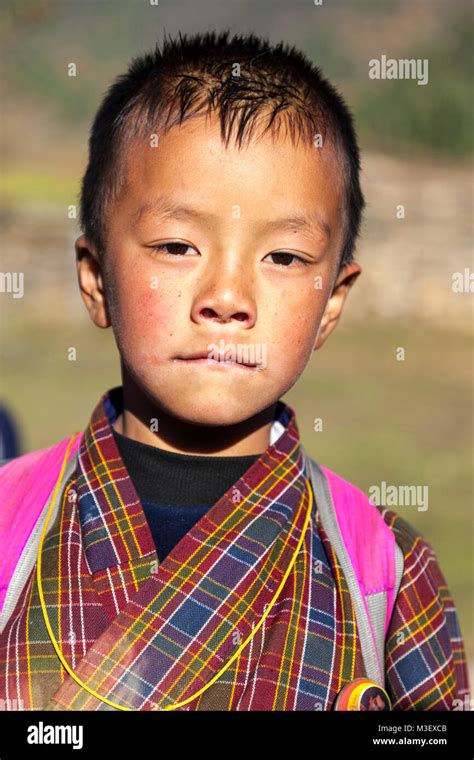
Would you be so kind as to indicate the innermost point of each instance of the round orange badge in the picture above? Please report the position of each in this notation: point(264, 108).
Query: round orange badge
point(362, 694)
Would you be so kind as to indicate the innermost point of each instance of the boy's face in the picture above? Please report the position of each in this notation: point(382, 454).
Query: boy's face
point(221, 279)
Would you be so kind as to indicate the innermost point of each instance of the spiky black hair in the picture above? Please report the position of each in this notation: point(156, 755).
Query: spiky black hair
point(243, 79)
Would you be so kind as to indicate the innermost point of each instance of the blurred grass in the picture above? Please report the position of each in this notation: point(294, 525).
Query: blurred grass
point(407, 423)
point(21, 187)
point(438, 117)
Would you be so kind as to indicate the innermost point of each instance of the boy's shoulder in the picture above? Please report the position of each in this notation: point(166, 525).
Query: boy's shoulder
point(408, 537)
point(425, 620)
point(418, 553)
point(356, 508)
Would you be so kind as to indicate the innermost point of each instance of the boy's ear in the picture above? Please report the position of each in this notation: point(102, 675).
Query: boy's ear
point(345, 279)
point(91, 282)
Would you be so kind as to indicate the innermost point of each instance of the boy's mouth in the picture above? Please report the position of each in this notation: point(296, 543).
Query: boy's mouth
point(203, 358)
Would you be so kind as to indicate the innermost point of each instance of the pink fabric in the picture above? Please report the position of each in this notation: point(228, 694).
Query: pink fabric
point(371, 551)
point(25, 486)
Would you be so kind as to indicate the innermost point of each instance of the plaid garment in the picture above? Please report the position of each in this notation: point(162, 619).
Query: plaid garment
point(147, 635)
point(425, 661)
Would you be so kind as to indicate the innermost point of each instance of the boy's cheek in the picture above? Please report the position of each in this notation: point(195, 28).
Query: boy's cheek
point(146, 300)
point(292, 359)
point(295, 324)
point(145, 318)
point(295, 341)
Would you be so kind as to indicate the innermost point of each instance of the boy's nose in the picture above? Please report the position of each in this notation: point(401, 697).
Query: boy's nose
point(225, 308)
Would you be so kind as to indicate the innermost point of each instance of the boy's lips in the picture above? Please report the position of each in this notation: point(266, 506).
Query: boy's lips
point(203, 359)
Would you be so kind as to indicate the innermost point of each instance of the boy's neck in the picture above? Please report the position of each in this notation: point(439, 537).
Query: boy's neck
point(245, 438)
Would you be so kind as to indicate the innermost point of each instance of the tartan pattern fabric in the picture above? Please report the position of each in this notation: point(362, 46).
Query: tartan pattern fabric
point(147, 635)
point(426, 666)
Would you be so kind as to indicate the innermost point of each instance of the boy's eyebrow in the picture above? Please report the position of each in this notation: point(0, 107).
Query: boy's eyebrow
point(167, 209)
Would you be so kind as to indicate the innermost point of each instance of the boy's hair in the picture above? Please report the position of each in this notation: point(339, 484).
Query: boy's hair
point(242, 79)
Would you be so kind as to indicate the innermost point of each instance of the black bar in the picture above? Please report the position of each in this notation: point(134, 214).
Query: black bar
point(299, 735)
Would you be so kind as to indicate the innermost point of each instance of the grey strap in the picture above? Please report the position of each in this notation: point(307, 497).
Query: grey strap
point(370, 626)
point(29, 554)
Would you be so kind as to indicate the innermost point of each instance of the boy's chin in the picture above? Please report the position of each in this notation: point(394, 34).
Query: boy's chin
point(212, 413)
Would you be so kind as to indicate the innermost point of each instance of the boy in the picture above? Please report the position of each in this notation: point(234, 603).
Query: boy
point(184, 561)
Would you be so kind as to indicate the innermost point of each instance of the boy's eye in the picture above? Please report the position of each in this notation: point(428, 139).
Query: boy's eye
point(285, 259)
point(177, 249)
point(172, 248)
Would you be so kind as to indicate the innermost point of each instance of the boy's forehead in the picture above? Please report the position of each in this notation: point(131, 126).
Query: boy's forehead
point(192, 163)
point(199, 139)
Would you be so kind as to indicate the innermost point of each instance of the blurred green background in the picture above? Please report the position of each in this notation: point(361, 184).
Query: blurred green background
point(405, 422)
